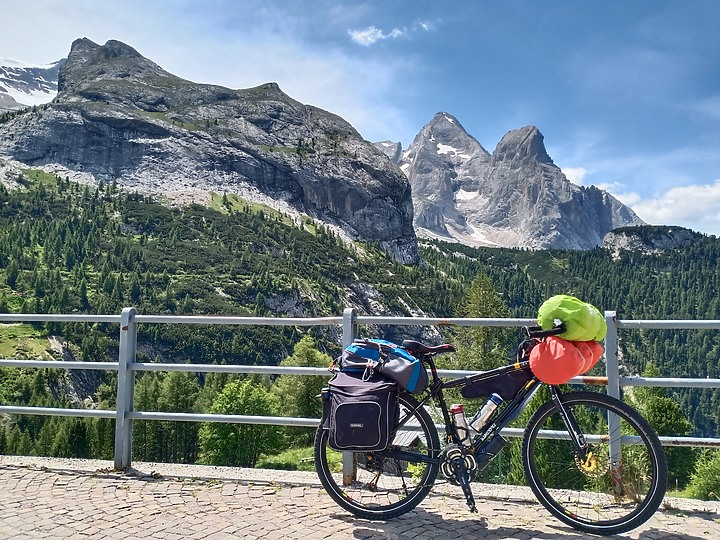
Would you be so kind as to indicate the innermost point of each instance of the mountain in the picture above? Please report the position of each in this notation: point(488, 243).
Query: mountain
point(119, 117)
point(514, 197)
point(23, 85)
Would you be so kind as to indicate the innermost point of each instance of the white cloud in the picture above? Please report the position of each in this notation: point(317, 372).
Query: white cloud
point(575, 174)
point(628, 199)
point(695, 206)
point(372, 34)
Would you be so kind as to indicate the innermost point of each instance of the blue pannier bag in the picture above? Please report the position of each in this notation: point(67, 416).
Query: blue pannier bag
point(370, 355)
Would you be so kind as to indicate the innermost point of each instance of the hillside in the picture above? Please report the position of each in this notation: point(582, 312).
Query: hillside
point(67, 247)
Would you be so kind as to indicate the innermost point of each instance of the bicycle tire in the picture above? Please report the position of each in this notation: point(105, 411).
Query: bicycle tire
point(400, 486)
point(585, 495)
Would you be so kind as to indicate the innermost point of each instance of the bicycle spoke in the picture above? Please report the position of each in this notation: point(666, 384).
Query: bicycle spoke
point(383, 487)
point(595, 492)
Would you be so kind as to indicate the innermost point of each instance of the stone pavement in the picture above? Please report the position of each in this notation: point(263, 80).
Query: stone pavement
point(42, 498)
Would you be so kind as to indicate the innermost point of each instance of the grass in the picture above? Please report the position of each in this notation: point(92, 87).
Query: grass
point(294, 459)
point(23, 341)
point(41, 177)
point(235, 203)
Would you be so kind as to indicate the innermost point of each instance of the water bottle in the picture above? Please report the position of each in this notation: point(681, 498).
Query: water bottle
point(484, 414)
point(458, 415)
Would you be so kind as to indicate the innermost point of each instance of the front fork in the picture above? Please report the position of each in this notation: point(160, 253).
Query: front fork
point(582, 453)
point(576, 436)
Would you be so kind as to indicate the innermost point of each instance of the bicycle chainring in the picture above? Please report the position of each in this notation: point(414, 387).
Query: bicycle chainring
point(454, 460)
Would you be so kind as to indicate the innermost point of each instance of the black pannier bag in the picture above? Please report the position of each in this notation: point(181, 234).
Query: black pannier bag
point(506, 385)
point(360, 413)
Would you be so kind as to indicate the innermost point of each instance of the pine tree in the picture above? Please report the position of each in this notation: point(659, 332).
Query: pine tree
point(178, 393)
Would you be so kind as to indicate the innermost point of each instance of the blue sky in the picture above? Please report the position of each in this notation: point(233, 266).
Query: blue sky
point(626, 93)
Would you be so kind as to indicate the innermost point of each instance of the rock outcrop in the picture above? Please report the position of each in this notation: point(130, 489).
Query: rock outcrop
point(649, 239)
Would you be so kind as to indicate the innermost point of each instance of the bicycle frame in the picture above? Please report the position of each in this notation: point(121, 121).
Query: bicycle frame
point(493, 428)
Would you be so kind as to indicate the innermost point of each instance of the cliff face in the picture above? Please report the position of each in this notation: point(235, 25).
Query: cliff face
point(514, 197)
point(649, 239)
point(120, 117)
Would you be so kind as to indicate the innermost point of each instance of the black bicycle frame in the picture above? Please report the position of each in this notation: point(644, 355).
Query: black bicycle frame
point(508, 413)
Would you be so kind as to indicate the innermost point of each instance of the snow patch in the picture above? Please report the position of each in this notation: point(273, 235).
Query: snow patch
point(462, 195)
point(9, 62)
point(30, 98)
point(447, 149)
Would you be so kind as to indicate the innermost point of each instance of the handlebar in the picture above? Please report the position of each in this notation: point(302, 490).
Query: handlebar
point(416, 347)
point(538, 332)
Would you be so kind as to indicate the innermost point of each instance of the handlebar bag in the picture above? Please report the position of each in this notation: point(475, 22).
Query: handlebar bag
point(393, 361)
point(555, 360)
point(360, 413)
point(583, 321)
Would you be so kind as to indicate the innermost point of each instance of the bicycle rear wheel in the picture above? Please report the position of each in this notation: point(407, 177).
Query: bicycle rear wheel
point(383, 487)
point(595, 495)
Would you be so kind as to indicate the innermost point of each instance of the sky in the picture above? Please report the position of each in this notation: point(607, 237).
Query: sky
point(626, 93)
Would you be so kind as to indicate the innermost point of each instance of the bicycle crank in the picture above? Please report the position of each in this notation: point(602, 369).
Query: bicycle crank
point(458, 465)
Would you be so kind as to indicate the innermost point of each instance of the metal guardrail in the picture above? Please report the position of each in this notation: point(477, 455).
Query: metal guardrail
point(126, 366)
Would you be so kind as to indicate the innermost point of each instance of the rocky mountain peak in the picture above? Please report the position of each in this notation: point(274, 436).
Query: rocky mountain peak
point(521, 146)
point(445, 136)
point(515, 198)
point(120, 117)
point(88, 63)
point(392, 149)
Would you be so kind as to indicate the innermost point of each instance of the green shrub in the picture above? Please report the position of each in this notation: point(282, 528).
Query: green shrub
point(705, 481)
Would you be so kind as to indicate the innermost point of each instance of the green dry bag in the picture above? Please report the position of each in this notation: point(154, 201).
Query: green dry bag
point(583, 321)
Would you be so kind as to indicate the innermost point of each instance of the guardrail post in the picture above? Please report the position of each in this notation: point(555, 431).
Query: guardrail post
point(349, 326)
point(612, 371)
point(611, 355)
point(349, 333)
point(125, 388)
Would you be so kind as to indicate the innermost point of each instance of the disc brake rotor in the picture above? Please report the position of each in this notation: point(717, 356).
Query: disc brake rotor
point(593, 465)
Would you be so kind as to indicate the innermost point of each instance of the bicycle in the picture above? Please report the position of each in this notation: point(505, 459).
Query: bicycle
point(591, 460)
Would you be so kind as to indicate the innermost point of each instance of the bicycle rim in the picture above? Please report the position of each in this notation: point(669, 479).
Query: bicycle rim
point(382, 488)
point(595, 495)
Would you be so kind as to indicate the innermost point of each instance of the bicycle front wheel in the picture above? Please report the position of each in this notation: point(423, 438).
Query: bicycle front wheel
point(378, 486)
point(602, 493)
